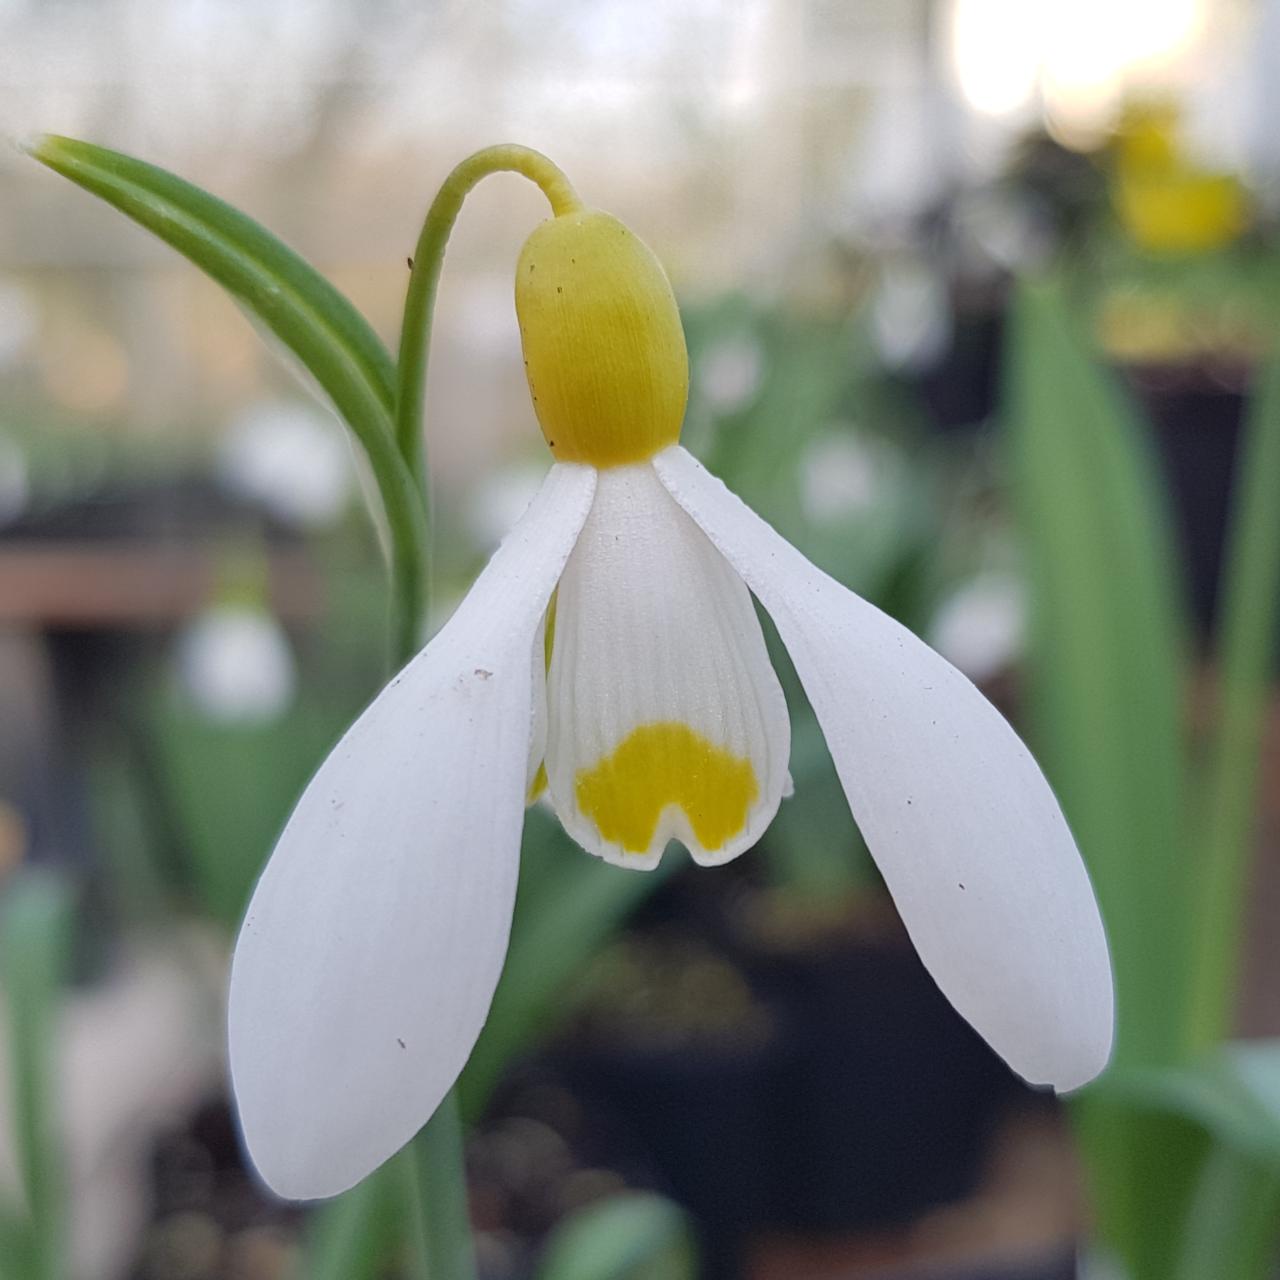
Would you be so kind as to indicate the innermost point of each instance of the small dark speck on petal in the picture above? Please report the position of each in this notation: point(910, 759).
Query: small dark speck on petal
point(410, 262)
point(531, 266)
point(962, 886)
point(908, 799)
point(559, 289)
point(482, 673)
point(402, 1044)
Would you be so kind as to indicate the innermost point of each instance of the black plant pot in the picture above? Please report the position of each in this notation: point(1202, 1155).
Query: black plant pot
point(691, 1119)
point(960, 391)
point(1196, 414)
point(883, 1103)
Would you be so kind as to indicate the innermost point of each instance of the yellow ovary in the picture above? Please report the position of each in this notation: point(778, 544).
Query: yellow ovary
point(604, 351)
point(661, 764)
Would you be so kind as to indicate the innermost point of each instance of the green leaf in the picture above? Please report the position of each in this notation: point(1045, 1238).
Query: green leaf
point(229, 788)
point(567, 905)
point(627, 1237)
point(1165, 1141)
point(1107, 681)
point(355, 1236)
point(1247, 638)
point(302, 309)
point(35, 950)
point(1230, 1229)
point(297, 303)
point(1106, 657)
point(1232, 1093)
point(17, 1247)
point(1142, 1168)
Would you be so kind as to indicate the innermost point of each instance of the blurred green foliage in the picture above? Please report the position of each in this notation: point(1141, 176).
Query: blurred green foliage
point(626, 1237)
point(35, 956)
point(1181, 1147)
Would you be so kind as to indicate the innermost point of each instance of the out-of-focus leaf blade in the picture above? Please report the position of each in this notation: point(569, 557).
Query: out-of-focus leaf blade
point(1107, 656)
point(296, 304)
point(567, 905)
point(1230, 1228)
point(627, 1237)
point(1107, 674)
point(1247, 639)
point(1233, 1094)
point(1163, 1139)
point(35, 948)
point(17, 1253)
point(229, 788)
point(354, 1236)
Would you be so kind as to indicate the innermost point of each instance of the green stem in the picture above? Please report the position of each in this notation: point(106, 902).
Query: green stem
point(424, 276)
point(435, 1156)
point(1251, 590)
point(438, 1184)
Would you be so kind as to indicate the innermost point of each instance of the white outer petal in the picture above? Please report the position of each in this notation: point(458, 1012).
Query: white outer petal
point(376, 935)
point(958, 816)
point(653, 626)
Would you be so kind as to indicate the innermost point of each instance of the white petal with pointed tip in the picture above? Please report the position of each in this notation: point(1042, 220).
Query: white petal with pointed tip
point(958, 816)
point(371, 948)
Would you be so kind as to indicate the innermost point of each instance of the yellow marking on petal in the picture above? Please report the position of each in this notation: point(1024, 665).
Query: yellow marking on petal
point(667, 763)
point(538, 785)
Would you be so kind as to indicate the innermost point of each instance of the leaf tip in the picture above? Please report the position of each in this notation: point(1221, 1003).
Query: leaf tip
point(35, 145)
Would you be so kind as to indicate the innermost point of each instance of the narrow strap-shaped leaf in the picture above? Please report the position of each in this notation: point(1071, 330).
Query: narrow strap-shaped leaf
point(17, 1248)
point(238, 252)
point(1248, 620)
point(354, 1236)
point(35, 944)
point(1107, 656)
point(312, 318)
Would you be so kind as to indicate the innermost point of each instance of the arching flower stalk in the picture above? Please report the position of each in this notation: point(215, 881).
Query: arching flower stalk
point(610, 655)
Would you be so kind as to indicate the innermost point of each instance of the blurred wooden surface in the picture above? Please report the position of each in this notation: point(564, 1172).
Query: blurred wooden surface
point(90, 585)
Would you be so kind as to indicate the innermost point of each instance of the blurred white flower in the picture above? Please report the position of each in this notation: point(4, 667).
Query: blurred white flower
point(840, 474)
point(910, 315)
point(499, 500)
point(236, 665)
point(18, 320)
point(730, 372)
point(980, 628)
point(292, 460)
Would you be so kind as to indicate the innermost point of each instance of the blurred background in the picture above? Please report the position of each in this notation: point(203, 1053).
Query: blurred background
point(850, 197)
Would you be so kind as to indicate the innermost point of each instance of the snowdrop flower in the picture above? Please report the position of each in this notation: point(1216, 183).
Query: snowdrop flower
point(236, 665)
point(290, 459)
point(610, 652)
